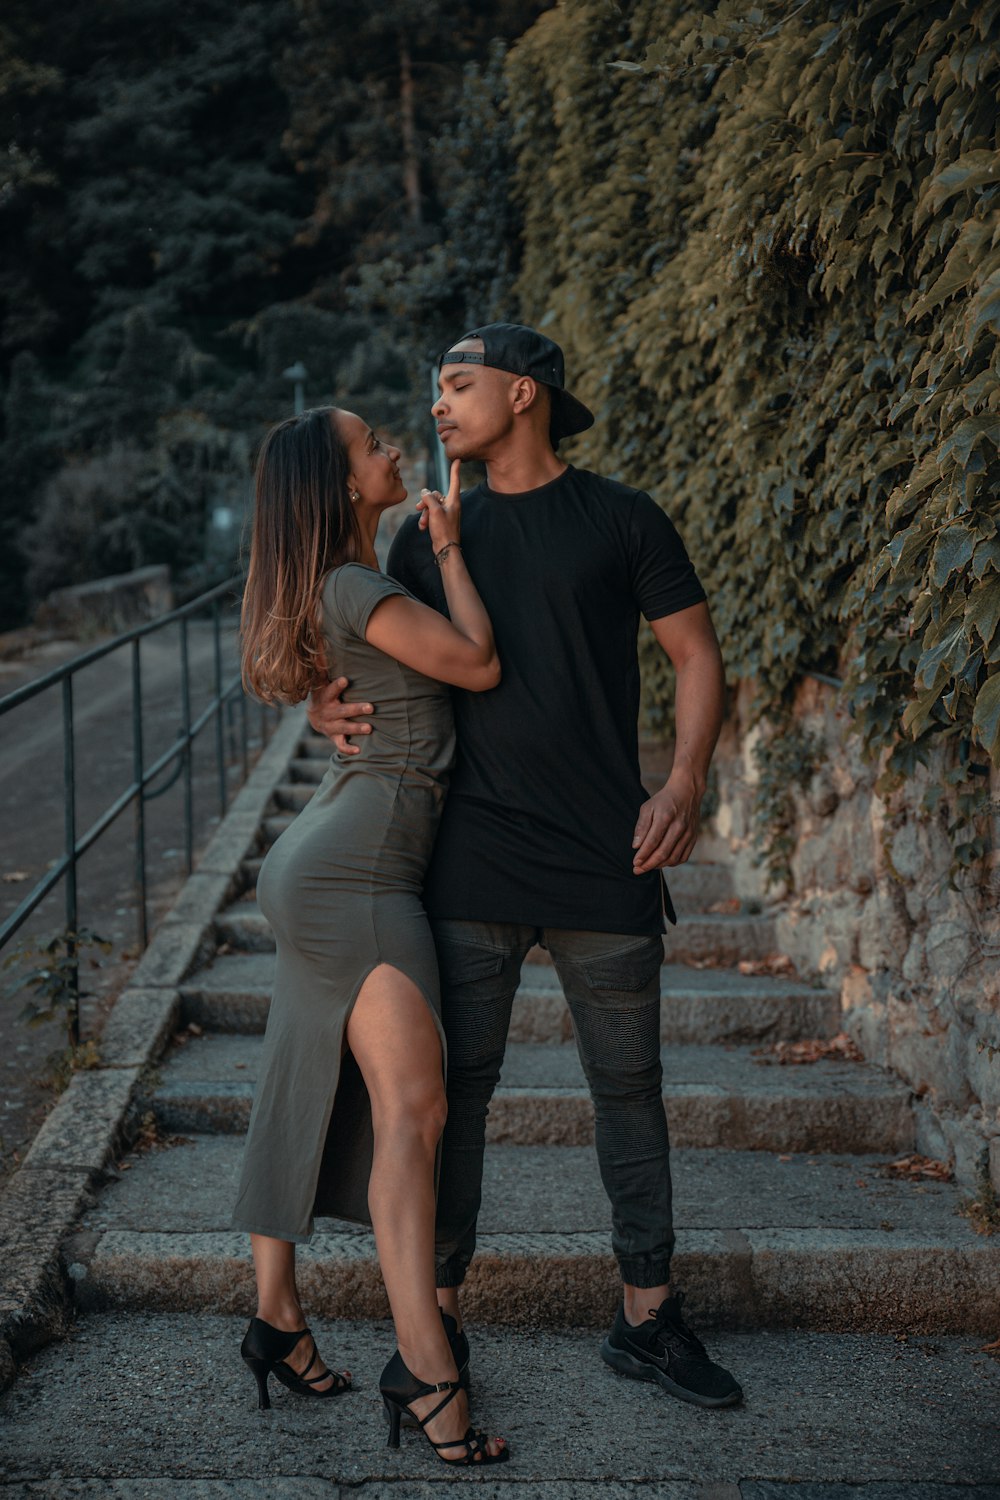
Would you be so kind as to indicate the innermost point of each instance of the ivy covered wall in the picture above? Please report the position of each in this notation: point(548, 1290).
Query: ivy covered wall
point(769, 238)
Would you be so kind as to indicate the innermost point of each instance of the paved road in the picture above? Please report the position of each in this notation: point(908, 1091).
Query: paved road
point(31, 822)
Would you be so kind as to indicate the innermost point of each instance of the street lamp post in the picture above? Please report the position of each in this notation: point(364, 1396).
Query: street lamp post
point(299, 374)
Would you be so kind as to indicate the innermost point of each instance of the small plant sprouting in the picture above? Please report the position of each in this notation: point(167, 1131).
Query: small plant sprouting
point(47, 973)
point(785, 759)
point(988, 1045)
point(983, 1211)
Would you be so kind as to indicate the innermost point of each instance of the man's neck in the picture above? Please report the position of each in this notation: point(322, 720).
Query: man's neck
point(523, 467)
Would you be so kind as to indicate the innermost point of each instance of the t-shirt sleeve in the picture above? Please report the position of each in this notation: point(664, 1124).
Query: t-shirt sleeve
point(351, 594)
point(662, 576)
point(402, 563)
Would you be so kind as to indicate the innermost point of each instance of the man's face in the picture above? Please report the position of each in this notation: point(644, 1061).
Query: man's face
point(475, 409)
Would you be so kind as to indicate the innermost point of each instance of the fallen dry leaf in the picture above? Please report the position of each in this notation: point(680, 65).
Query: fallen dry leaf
point(730, 907)
point(192, 1029)
point(15, 877)
point(773, 964)
point(993, 1348)
point(914, 1167)
point(810, 1050)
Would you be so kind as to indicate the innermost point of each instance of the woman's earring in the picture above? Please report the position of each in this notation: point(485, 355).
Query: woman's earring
point(355, 496)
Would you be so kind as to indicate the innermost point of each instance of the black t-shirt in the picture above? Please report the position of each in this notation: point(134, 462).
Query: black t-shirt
point(538, 824)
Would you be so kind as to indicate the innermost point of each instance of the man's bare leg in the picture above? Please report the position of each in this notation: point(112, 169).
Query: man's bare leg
point(641, 1301)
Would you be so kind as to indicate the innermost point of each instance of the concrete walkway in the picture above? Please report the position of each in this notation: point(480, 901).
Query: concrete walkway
point(852, 1304)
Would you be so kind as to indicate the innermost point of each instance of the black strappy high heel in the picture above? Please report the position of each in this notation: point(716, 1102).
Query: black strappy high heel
point(399, 1386)
point(266, 1348)
point(460, 1353)
point(459, 1348)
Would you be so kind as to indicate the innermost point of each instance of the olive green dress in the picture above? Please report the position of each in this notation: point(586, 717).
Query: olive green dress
point(341, 888)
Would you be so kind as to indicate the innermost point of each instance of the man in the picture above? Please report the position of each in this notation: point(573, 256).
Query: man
point(547, 834)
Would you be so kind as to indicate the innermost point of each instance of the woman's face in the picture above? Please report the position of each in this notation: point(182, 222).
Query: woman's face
point(374, 463)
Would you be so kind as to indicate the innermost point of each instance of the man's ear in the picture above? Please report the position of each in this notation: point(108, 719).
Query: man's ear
point(525, 393)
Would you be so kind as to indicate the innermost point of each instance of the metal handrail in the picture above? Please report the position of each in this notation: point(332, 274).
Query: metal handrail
point(137, 792)
point(827, 677)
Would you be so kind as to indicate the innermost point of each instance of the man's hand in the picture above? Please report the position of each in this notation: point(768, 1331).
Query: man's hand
point(329, 715)
point(667, 827)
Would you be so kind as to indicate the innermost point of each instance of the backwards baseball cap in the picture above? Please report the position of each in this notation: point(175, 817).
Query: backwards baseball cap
point(522, 351)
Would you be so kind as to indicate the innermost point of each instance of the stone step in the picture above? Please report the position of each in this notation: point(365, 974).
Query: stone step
point(824, 1242)
point(314, 746)
point(273, 826)
point(720, 1098)
point(696, 939)
point(897, 1420)
point(292, 796)
point(695, 887)
point(308, 768)
point(697, 1005)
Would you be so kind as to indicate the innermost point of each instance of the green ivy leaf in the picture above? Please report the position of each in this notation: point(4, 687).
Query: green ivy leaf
point(953, 551)
point(965, 437)
point(986, 715)
point(974, 170)
point(984, 609)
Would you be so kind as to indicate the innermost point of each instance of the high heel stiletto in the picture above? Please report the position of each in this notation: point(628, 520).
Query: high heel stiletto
point(265, 1350)
point(399, 1387)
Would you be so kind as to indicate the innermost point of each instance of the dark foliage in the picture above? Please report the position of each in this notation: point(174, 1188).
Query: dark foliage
point(193, 198)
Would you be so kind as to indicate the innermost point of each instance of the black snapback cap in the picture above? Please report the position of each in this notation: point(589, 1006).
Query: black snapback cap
point(523, 351)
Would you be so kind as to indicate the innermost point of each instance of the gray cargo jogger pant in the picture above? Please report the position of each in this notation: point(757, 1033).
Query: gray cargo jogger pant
point(612, 985)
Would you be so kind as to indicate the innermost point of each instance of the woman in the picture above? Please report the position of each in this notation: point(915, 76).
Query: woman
point(350, 1104)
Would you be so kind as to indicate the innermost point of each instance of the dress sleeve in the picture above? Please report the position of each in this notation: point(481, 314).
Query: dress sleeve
point(351, 593)
point(661, 573)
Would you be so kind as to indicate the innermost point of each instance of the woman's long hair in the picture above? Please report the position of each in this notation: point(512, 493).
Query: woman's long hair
point(303, 525)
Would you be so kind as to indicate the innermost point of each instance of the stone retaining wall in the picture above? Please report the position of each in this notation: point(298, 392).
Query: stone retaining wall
point(115, 603)
point(873, 913)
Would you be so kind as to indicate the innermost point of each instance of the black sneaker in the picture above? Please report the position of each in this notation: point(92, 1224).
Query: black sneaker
point(665, 1350)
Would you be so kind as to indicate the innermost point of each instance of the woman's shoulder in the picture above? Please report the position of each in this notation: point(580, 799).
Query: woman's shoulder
point(351, 591)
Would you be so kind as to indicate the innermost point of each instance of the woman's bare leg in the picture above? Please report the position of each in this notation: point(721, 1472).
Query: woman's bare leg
point(396, 1046)
point(278, 1299)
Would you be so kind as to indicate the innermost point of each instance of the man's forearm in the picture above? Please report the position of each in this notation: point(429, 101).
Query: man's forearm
point(699, 706)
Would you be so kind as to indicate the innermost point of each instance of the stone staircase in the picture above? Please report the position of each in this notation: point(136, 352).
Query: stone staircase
point(786, 1216)
point(857, 1310)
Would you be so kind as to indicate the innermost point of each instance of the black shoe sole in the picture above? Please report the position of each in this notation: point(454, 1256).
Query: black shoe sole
point(635, 1369)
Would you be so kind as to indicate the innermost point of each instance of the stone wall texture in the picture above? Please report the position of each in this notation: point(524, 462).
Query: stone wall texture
point(115, 603)
point(873, 912)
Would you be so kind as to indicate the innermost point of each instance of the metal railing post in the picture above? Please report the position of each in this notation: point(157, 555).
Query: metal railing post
point(69, 827)
point(186, 752)
point(220, 743)
point(140, 805)
point(243, 736)
point(177, 761)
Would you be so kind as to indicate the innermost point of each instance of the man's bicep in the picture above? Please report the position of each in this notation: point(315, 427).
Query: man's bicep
point(685, 632)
